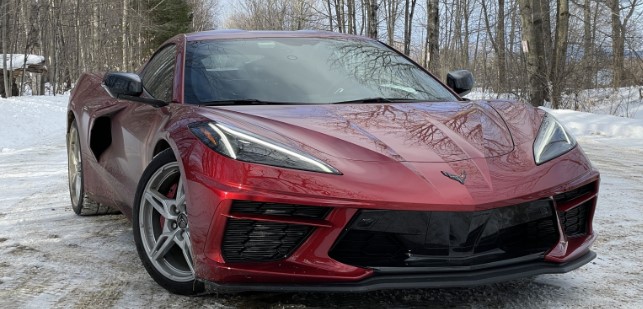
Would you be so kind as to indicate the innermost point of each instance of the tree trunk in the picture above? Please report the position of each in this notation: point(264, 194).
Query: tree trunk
point(433, 36)
point(372, 19)
point(330, 15)
point(618, 44)
point(6, 73)
point(500, 42)
point(531, 14)
point(588, 43)
point(339, 12)
point(560, 52)
point(408, 25)
point(391, 8)
point(351, 16)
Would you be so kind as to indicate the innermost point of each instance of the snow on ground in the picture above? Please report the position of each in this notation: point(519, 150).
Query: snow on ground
point(612, 130)
point(27, 122)
point(49, 257)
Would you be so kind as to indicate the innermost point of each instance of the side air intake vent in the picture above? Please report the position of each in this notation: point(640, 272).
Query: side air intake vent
point(248, 240)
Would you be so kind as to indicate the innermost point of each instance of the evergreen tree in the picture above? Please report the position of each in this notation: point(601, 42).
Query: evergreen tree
point(168, 18)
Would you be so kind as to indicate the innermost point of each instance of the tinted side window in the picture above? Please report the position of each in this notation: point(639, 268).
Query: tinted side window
point(158, 76)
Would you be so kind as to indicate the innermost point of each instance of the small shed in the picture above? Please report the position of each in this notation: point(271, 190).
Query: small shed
point(33, 66)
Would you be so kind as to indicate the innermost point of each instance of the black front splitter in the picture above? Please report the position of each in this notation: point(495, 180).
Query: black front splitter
point(416, 281)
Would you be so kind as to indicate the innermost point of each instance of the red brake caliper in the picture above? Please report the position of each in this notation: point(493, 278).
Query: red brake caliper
point(170, 194)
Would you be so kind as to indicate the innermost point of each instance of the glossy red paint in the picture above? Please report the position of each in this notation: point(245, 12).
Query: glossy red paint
point(390, 155)
point(495, 182)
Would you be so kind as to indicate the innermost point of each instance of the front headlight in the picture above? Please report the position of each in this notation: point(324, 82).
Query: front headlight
point(552, 140)
point(245, 146)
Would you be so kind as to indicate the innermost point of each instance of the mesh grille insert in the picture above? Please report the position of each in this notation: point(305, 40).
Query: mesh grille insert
point(246, 240)
point(256, 241)
point(574, 221)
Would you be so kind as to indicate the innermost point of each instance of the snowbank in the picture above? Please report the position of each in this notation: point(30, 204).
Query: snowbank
point(624, 102)
point(588, 124)
point(16, 61)
point(27, 122)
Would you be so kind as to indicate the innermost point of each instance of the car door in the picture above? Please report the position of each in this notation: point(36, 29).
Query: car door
point(138, 127)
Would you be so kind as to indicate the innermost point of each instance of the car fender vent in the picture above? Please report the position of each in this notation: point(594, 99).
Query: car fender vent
point(101, 136)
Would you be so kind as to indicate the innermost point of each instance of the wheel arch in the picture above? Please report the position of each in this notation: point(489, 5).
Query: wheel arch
point(70, 118)
point(161, 145)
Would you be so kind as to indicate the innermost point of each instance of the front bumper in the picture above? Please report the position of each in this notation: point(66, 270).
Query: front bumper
point(307, 266)
point(320, 263)
point(381, 281)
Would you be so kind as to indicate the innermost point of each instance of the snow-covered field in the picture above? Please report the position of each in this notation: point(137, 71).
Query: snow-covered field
point(49, 257)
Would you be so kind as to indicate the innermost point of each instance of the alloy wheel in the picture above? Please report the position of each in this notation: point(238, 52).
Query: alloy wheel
point(163, 224)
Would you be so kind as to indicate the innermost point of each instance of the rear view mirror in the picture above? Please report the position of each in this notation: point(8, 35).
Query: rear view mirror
point(461, 81)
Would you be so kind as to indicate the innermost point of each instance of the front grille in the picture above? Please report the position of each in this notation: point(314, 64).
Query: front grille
point(256, 241)
point(275, 209)
point(384, 238)
point(574, 221)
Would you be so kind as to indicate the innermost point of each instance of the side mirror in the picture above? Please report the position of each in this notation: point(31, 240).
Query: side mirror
point(128, 86)
point(461, 81)
point(119, 84)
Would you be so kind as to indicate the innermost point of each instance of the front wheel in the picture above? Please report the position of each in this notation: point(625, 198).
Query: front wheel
point(161, 228)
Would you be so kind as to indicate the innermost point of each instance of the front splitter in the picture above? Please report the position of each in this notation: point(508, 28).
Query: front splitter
point(416, 281)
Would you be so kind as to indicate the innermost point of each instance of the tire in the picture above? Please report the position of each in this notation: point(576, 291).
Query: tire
point(161, 229)
point(80, 203)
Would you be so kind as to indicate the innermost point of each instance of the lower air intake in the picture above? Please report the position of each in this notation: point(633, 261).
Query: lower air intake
point(574, 221)
point(257, 241)
point(383, 238)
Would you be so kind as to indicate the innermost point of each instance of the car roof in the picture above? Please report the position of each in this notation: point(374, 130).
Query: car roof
point(244, 34)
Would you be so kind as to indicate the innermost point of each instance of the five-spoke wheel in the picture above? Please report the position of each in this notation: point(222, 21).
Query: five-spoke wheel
point(161, 226)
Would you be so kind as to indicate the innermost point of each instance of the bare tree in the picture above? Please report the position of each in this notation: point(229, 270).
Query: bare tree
point(533, 20)
point(409, 10)
point(373, 23)
point(433, 36)
point(560, 52)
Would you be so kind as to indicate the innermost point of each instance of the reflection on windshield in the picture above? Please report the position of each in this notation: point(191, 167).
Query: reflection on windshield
point(303, 70)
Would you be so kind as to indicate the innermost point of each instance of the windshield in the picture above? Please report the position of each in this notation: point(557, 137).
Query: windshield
point(303, 71)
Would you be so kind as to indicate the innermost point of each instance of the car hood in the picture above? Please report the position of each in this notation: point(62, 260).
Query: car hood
point(405, 132)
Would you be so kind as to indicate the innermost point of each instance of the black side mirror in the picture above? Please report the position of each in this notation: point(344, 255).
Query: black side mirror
point(461, 81)
point(123, 84)
point(128, 86)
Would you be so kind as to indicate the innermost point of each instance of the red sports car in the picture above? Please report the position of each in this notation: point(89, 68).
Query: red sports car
point(315, 161)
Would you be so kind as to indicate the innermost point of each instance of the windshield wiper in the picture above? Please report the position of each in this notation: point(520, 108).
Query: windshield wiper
point(240, 102)
point(376, 100)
